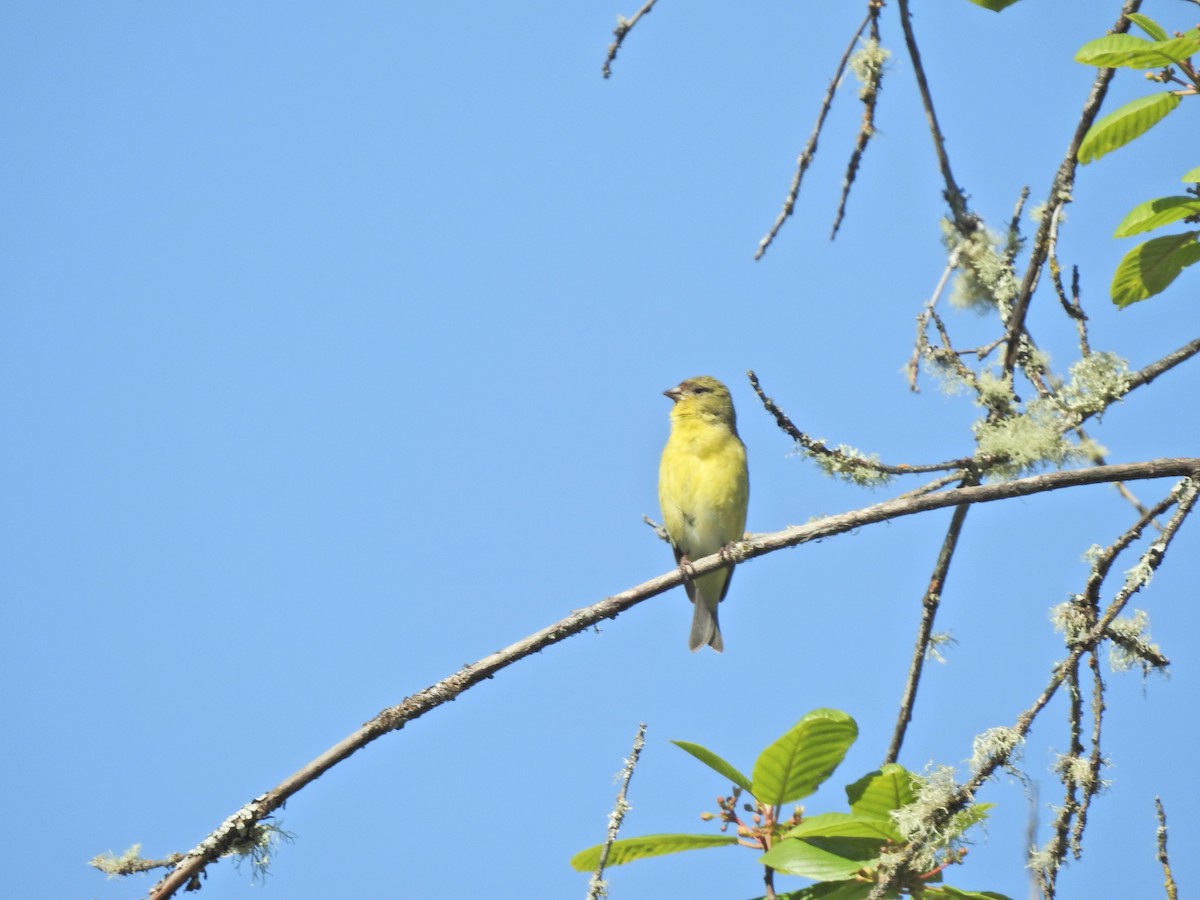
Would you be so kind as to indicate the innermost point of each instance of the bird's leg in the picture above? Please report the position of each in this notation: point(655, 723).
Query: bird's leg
point(685, 569)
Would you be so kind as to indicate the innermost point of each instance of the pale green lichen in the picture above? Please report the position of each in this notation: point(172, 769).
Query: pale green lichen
point(1079, 771)
point(255, 844)
point(1038, 211)
point(1131, 645)
point(925, 822)
point(852, 465)
point(986, 280)
point(1037, 436)
point(994, 392)
point(112, 865)
point(1142, 572)
point(937, 641)
point(996, 746)
point(867, 63)
point(1097, 381)
point(1071, 619)
point(1034, 438)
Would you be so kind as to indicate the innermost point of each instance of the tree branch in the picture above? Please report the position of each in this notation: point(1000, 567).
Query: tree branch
point(1184, 495)
point(1060, 195)
point(394, 718)
point(624, 26)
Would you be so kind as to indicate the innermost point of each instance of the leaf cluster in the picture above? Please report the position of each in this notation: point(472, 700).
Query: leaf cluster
point(1150, 267)
point(845, 853)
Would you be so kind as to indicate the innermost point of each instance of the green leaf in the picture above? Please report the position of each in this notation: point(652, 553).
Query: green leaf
point(950, 893)
point(836, 824)
point(835, 890)
point(1156, 213)
point(716, 763)
point(795, 765)
point(994, 5)
point(1192, 175)
point(1111, 50)
point(1149, 26)
point(821, 859)
point(877, 793)
point(629, 849)
point(1121, 126)
point(1149, 268)
point(1132, 52)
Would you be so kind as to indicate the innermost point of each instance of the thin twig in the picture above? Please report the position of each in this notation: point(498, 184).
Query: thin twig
point(617, 816)
point(922, 341)
point(964, 221)
point(869, 94)
point(1059, 195)
point(624, 26)
point(844, 460)
point(929, 608)
point(1147, 374)
point(810, 148)
point(1183, 496)
point(1164, 860)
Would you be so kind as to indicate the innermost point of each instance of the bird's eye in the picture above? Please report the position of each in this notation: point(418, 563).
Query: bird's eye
point(703, 390)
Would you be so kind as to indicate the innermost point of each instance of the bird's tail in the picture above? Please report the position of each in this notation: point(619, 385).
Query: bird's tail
point(705, 629)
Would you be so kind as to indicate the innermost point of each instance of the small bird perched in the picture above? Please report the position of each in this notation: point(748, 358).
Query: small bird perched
point(703, 489)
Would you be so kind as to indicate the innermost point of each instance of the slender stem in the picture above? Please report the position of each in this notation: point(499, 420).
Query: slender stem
point(929, 608)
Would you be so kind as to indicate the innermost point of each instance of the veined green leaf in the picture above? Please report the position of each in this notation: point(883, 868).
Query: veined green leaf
point(834, 890)
point(821, 859)
point(1149, 268)
point(1132, 52)
point(994, 5)
point(876, 794)
point(1191, 175)
point(1121, 126)
point(716, 763)
point(836, 824)
point(1149, 26)
point(945, 892)
point(1156, 213)
point(1111, 50)
point(795, 765)
point(629, 849)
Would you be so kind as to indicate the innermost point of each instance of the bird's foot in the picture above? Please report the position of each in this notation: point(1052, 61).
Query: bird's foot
point(686, 569)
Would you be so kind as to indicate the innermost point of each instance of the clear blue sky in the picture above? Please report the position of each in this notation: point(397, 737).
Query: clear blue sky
point(331, 351)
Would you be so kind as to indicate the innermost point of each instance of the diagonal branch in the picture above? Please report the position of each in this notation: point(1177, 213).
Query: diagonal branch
point(963, 220)
point(624, 26)
point(1060, 195)
point(1184, 496)
point(394, 718)
point(810, 148)
point(929, 608)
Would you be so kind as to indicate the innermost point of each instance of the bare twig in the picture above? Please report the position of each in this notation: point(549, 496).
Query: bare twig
point(620, 807)
point(1183, 496)
point(844, 460)
point(964, 221)
point(1060, 195)
point(810, 148)
point(1171, 360)
point(1165, 861)
point(624, 26)
point(922, 341)
point(929, 608)
point(869, 94)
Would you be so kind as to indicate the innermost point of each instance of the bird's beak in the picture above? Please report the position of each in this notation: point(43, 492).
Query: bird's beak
point(674, 393)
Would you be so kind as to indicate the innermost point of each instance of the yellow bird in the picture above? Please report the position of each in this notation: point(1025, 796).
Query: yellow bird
point(703, 489)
